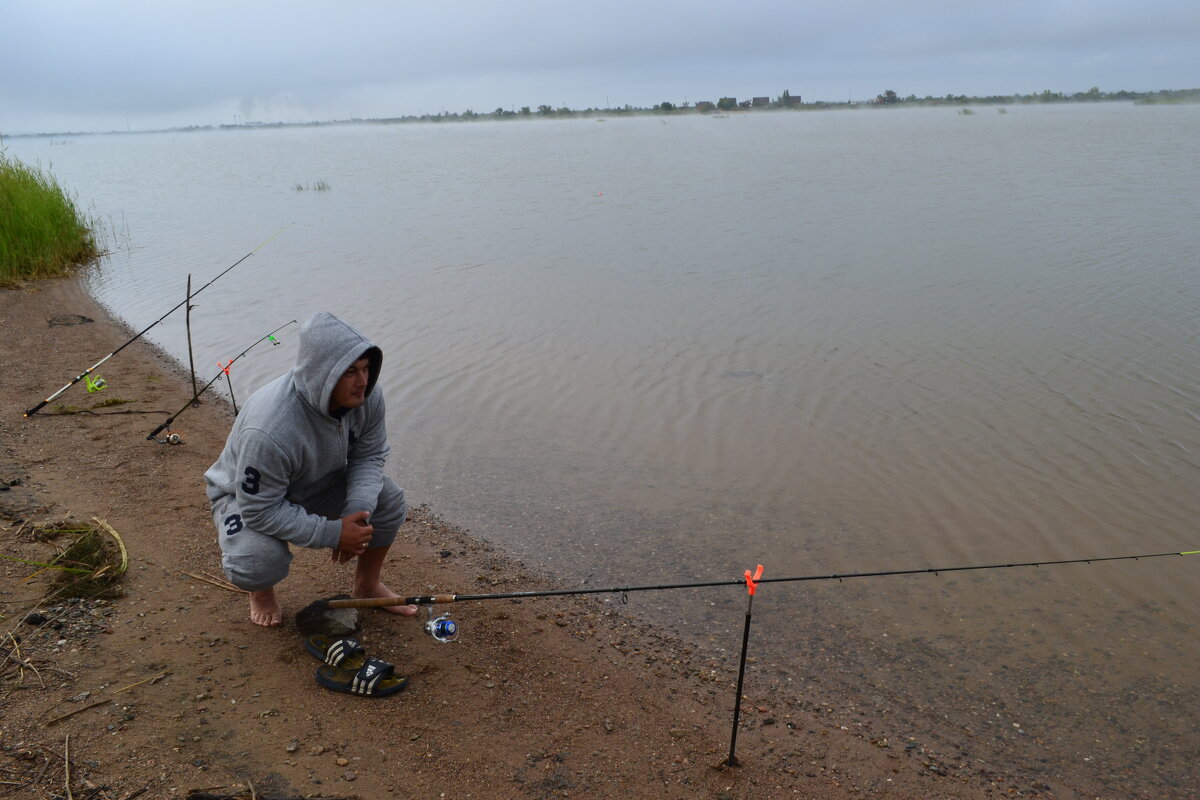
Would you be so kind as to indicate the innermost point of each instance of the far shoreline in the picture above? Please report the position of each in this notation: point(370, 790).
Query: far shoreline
point(1169, 97)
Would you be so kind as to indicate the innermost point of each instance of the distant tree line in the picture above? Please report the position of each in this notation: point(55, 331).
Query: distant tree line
point(784, 101)
point(1092, 95)
point(787, 101)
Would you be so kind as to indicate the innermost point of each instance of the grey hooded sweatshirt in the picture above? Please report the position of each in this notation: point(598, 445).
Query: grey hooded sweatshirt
point(287, 447)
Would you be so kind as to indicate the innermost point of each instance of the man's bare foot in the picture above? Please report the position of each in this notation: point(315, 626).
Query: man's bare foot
point(264, 609)
point(379, 590)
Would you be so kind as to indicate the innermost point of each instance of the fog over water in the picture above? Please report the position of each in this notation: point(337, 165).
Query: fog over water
point(647, 350)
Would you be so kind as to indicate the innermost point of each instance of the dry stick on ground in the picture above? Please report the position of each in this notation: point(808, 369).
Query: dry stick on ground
point(45, 766)
point(14, 654)
point(155, 679)
point(77, 711)
point(216, 582)
point(67, 765)
point(14, 657)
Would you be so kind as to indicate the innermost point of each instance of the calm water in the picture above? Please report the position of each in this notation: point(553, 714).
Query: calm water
point(669, 349)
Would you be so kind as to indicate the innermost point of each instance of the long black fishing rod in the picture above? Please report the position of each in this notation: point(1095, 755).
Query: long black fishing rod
point(432, 599)
point(224, 371)
point(143, 332)
point(444, 629)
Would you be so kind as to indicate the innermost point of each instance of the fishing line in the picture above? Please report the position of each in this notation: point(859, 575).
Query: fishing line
point(95, 366)
point(174, 438)
point(373, 602)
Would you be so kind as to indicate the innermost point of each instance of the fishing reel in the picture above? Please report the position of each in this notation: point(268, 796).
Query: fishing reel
point(442, 629)
point(169, 438)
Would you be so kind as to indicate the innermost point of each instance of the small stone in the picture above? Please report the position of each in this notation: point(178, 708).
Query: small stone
point(293, 746)
point(348, 776)
point(333, 622)
point(341, 762)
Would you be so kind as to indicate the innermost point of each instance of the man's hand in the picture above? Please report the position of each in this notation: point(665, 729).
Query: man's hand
point(356, 535)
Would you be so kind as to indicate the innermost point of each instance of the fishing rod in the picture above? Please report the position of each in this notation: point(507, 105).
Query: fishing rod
point(95, 366)
point(443, 629)
point(173, 438)
point(434, 599)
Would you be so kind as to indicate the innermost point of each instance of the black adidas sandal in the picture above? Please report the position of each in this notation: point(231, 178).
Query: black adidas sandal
point(376, 678)
point(343, 652)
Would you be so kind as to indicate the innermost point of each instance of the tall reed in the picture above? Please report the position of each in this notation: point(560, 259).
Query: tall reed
point(42, 233)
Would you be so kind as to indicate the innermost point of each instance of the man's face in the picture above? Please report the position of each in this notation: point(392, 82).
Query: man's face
point(351, 389)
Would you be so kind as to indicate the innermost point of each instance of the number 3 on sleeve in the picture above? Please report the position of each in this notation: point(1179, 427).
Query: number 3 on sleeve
point(251, 484)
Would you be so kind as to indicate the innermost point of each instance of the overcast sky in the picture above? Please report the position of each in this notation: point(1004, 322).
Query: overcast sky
point(71, 65)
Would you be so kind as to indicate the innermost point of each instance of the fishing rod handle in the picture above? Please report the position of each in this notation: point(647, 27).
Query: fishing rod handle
point(159, 429)
point(378, 602)
point(431, 599)
point(36, 408)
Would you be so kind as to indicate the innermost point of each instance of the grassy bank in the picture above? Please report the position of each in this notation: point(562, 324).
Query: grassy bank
point(42, 233)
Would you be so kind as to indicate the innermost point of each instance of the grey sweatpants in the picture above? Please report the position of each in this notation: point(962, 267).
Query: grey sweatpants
point(256, 561)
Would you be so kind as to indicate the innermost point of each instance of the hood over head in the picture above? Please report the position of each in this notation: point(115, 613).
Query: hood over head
point(328, 346)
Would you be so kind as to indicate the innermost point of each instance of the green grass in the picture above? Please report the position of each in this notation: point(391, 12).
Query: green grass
point(42, 233)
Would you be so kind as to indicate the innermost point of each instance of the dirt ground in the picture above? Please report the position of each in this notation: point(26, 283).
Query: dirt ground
point(169, 691)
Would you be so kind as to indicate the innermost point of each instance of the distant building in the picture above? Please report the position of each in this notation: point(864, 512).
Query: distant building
point(761, 102)
point(705, 105)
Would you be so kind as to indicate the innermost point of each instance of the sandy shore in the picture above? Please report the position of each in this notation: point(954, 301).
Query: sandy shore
point(169, 691)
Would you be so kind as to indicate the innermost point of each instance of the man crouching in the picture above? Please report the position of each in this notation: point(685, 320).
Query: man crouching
point(304, 465)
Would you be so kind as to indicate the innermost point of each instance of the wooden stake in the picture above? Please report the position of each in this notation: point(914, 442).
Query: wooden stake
point(188, 319)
